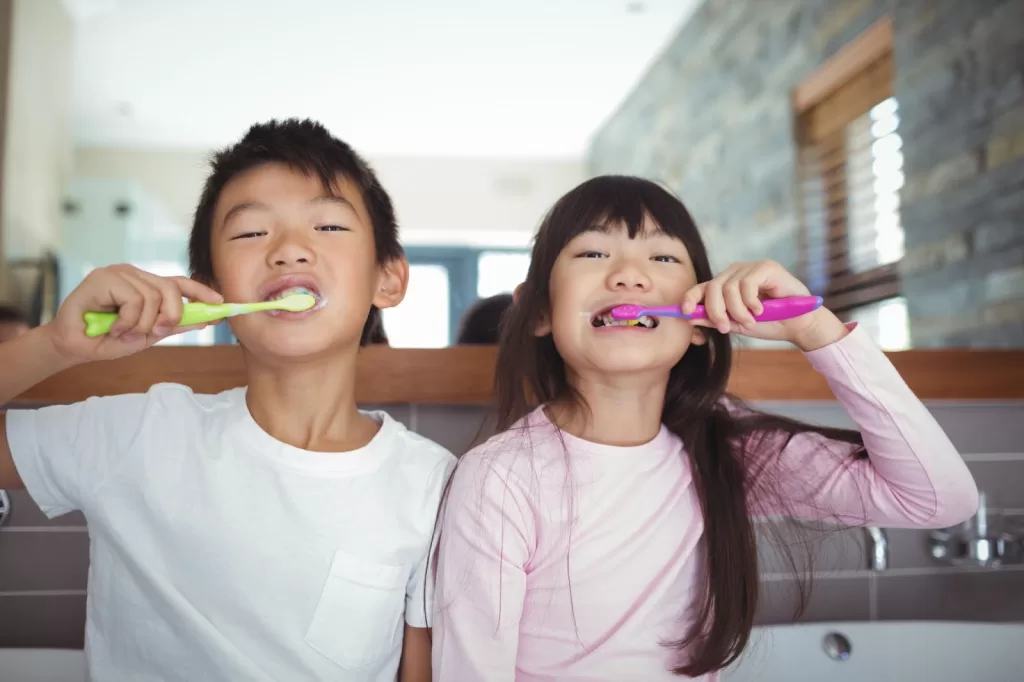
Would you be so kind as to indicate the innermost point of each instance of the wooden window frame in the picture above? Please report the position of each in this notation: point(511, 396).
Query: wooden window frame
point(821, 109)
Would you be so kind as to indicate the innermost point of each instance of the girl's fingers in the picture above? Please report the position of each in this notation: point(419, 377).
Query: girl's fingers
point(750, 294)
point(714, 304)
point(693, 297)
point(734, 303)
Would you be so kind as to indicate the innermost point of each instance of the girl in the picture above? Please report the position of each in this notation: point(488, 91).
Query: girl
point(606, 532)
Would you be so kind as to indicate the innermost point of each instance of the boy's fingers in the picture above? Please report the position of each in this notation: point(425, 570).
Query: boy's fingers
point(196, 291)
point(151, 304)
point(129, 302)
point(170, 302)
point(190, 328)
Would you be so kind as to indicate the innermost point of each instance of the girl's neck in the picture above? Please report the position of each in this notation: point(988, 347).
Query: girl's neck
point(309, 405)
point(623, 411)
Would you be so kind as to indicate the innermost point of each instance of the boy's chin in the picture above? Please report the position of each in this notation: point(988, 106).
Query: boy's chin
point(299, 346)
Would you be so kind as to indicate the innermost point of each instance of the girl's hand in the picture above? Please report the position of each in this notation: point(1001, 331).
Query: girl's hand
point(736, 293)
point(149, 306)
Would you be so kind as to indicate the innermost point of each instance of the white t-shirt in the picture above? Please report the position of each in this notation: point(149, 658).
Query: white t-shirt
point(220, 553)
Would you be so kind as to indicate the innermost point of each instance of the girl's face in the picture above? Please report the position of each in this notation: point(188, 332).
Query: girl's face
point(598, 270)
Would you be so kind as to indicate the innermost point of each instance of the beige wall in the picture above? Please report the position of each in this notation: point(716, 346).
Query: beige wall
point(37, 126)
point(439, 201)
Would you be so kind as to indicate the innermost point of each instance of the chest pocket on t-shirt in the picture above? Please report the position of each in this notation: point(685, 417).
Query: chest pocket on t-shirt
point(358, 620)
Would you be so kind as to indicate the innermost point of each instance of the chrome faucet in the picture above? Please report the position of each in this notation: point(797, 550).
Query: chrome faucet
point(878, 548)
point(977, 541)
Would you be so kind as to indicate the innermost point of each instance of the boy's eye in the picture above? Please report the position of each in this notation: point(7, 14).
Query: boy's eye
point(666, 259)
point(332, 228)
point(248, 235)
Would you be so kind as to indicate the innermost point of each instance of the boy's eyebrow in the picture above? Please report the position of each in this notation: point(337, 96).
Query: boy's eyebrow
point(258, 206)
point(333, 199)
point(244, 206)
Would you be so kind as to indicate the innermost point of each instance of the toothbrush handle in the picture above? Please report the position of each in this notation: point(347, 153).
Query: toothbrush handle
point(99, 323)
point(787, 308)
point(775, 309)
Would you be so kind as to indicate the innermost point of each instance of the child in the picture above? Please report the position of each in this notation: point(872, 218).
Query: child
point(607, 533)
point(272, 532)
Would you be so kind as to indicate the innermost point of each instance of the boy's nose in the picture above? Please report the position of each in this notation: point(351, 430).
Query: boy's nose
point(290, 251)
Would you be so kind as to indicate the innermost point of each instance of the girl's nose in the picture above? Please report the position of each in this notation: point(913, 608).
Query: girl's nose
point(629, 277)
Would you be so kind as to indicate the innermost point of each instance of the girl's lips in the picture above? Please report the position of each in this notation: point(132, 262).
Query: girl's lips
point(603, 320)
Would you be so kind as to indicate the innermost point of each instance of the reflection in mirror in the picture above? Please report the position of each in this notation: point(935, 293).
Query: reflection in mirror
point(880, 201)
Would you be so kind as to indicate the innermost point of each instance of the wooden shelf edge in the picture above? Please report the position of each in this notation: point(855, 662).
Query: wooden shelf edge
point(464, 375)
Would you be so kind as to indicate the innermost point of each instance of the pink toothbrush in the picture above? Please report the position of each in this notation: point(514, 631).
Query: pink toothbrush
point(774, 309)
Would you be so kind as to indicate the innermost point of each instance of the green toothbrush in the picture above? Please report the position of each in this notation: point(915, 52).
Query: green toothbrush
point(98, 324)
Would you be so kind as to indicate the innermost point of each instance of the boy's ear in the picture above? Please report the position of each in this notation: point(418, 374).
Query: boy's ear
point(392, 283)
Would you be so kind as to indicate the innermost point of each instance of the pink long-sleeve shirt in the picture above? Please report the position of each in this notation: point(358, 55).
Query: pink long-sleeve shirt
point(566, 560)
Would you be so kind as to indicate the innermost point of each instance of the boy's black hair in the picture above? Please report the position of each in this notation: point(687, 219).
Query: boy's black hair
point(309, 147)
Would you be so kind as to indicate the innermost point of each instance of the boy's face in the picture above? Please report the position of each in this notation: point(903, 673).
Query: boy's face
point(275, 228)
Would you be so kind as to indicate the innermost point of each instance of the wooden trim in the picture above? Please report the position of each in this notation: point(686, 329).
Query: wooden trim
point(464, 375)
point(844, 65)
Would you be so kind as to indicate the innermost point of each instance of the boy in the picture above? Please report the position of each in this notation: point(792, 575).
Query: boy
point(273, 532)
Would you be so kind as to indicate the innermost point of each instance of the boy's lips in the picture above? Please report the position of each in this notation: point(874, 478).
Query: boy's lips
point(288, 285)
point(278, 287)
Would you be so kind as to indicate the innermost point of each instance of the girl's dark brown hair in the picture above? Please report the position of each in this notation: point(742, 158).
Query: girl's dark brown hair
point(730, 446)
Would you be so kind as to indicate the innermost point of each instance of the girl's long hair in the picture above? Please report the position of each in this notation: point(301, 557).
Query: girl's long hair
point(730, 446)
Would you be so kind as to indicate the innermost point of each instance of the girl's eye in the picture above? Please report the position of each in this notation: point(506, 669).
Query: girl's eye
point(666, 259)
point(591, 254)
point(331, 228)
point(248, 235)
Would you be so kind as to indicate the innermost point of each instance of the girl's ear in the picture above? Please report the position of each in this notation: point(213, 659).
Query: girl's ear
point(392, 283)
point(698, 337)
point(543, 327)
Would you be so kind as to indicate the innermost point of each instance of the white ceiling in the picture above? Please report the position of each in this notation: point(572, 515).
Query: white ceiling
point(393, 77)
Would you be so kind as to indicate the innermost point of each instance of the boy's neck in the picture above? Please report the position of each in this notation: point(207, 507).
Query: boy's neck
point(309, 405)
point(623, 411)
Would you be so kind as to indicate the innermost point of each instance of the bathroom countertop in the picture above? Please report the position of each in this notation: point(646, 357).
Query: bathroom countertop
point(463, 375)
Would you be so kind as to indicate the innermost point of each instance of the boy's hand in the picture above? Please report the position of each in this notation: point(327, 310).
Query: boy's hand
point(149, 309)
point(736, 293)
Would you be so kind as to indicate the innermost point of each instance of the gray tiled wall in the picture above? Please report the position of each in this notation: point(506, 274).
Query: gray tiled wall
point(43, 563)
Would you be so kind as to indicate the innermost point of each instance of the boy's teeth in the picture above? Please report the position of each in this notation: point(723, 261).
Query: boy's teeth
point(293, 290)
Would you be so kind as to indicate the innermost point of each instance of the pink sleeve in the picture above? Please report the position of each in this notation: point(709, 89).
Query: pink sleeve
point(913, 475)
point(487, 536)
